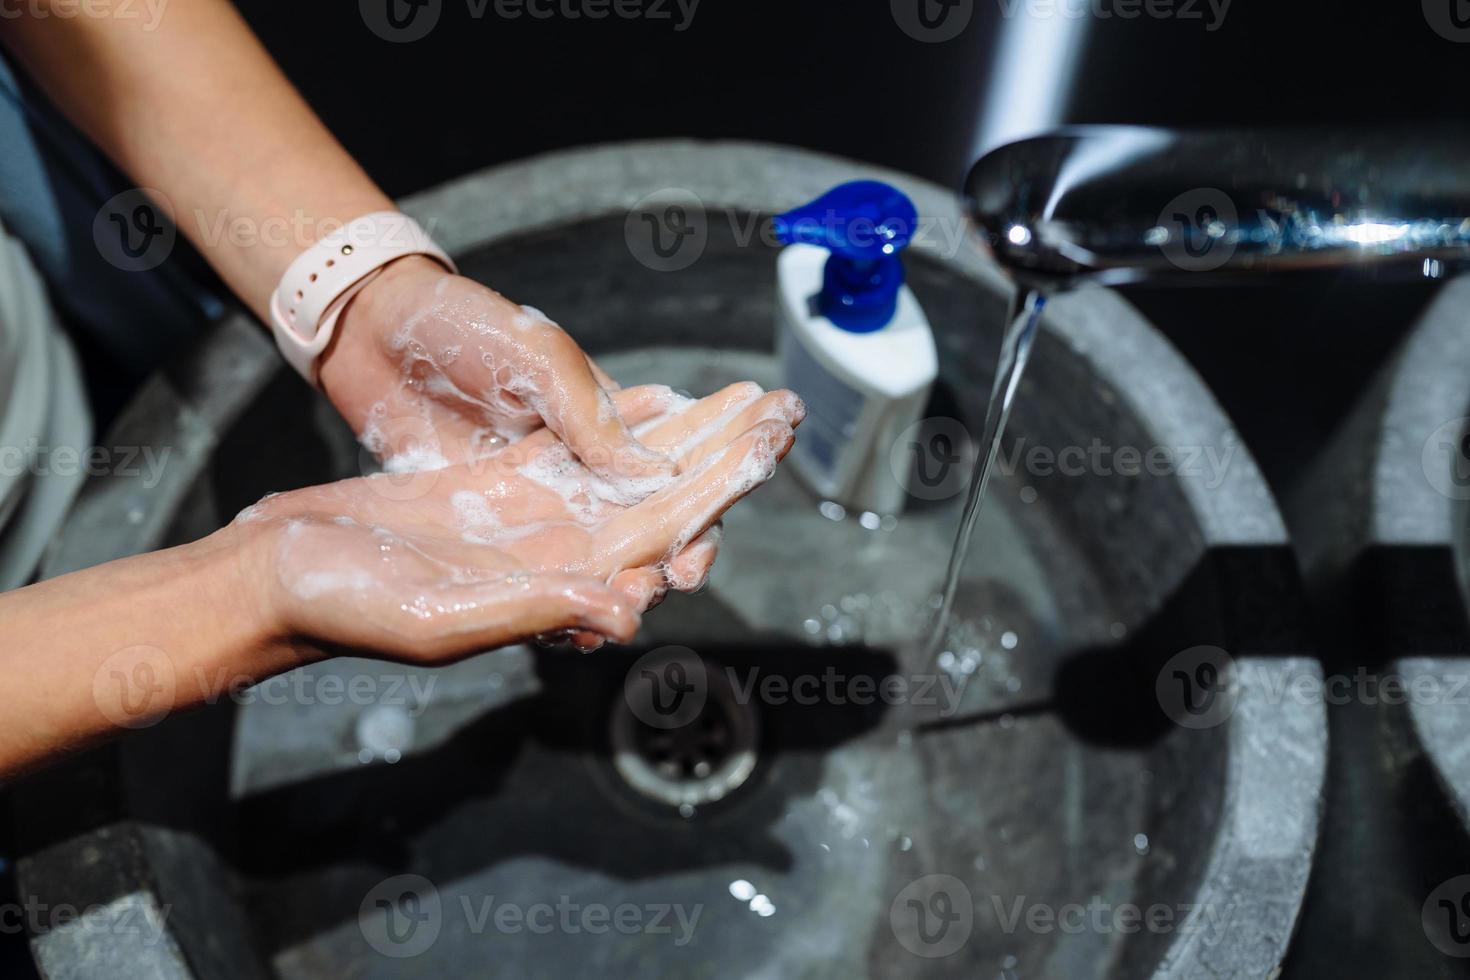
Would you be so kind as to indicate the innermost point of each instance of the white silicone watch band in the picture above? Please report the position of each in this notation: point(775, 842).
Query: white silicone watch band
point(319, 284)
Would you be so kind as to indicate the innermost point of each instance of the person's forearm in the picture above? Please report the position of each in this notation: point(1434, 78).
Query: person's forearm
point(96, 653)
point(195, 108)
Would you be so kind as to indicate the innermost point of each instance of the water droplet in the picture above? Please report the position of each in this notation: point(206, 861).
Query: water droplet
point(686, 810)
point(1028, 495)
point(832, 510)
point(870, 521)
point(1140, 843)
point(1009, 639)
point(742, 890)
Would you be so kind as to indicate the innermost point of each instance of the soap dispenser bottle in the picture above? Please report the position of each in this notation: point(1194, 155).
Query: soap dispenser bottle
point(852, 340)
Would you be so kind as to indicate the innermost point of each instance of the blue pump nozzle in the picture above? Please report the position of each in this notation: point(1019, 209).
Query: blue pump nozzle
point(864, 224)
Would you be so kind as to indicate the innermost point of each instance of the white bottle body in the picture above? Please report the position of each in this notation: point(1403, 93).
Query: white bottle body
point(862, 390)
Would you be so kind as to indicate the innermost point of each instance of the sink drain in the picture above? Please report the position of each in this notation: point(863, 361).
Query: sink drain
point(704, 757)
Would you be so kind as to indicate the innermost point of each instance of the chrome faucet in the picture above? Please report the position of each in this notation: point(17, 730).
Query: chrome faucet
point(1120, 204)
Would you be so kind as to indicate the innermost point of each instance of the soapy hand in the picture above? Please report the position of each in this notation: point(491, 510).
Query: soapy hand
point(524, 540)
point(431, 368)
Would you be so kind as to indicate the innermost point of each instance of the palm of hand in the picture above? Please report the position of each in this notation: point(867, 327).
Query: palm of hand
point(525, 539)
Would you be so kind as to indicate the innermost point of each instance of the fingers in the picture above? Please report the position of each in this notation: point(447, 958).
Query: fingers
point(670, 519)
point(715, 421)
point(665, 433)
point(603, 378)
point(689, 569)
point(643, 588)
point(642, 403)
point(576, 407)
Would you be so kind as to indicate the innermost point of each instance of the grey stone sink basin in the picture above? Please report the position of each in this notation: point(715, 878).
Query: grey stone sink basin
point(1381, 527)
point(1039, 803)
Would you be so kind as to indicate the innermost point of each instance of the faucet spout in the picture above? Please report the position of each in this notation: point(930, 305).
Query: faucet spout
point(1123, 204)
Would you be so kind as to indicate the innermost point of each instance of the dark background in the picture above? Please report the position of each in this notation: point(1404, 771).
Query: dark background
point(840, 76)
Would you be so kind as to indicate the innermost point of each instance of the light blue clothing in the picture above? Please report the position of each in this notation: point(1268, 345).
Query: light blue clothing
point(52, 184)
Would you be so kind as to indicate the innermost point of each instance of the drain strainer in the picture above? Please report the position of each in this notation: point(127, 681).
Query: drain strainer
point(690, 758)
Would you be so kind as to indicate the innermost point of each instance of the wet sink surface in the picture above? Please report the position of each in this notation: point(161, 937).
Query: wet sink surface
point(507, 793)
point(1013, 812)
